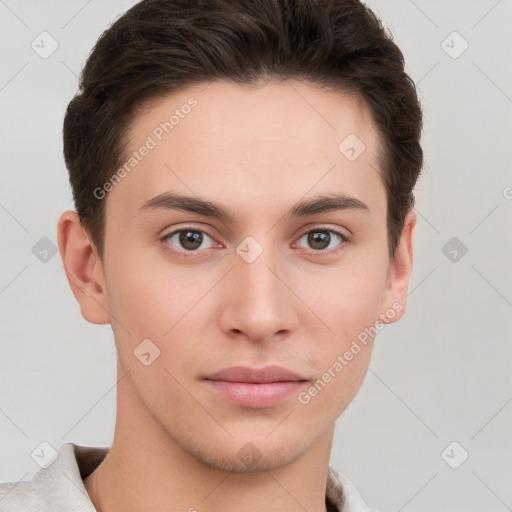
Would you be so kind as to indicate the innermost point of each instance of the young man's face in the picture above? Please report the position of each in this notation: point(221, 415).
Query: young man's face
point(265, 288)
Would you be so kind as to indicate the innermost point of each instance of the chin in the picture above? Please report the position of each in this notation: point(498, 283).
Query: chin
point(234, 455)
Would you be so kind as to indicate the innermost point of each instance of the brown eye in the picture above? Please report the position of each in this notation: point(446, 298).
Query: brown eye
point(187, 239)
point(323, 239)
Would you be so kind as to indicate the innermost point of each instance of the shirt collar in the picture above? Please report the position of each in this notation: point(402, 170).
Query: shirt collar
point(61, 484)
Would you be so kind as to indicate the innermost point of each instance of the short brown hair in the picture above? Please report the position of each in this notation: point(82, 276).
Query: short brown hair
point(161, 46)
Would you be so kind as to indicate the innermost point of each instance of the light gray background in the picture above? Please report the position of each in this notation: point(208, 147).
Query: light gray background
point(441, 374)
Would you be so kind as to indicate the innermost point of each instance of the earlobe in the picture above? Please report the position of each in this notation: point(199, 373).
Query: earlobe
point(399, 274)
point(83, 268)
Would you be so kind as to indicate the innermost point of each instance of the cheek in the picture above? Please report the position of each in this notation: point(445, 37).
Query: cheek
point(151, 300)
point(150, 297)
point(338, 380)
point(348, 302)
point(347, 299)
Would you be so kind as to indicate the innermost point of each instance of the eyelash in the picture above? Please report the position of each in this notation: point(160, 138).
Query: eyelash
point(191, 254)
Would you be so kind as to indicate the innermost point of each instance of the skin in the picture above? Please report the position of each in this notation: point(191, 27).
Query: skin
point(257, 151)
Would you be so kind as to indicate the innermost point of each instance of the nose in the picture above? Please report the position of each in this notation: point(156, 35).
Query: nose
point(257, 303)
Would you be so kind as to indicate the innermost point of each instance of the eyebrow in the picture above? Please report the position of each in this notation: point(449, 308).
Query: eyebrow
point(319, 204)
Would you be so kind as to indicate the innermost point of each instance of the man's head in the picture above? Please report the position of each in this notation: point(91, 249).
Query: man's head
point(161, 46)
point(293, 132)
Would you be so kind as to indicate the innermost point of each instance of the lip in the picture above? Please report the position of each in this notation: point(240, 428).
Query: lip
point(255, 375)
point(255, 388)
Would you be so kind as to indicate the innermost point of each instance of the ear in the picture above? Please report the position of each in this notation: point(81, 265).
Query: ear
point(399, 273)
point(83, 268)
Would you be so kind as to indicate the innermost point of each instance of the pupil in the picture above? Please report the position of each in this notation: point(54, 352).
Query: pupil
point(191, 239)
point(318, 239)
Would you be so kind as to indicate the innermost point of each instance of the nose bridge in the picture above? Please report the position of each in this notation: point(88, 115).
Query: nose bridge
point(258, 302)
point(260, 283)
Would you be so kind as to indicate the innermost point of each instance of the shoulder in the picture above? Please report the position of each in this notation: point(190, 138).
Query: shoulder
point(57, 488)
point(343, 493)
point(19, 496)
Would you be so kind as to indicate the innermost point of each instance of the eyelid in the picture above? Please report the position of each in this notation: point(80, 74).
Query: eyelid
point(345, 238)
point(188, 227)
point(344, 233)
point(185, 227)
point(337, 231)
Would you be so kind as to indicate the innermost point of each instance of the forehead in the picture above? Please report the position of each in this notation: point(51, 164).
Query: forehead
point(280, 139)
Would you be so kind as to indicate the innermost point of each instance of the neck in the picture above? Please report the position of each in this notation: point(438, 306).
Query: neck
point(146, 469)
